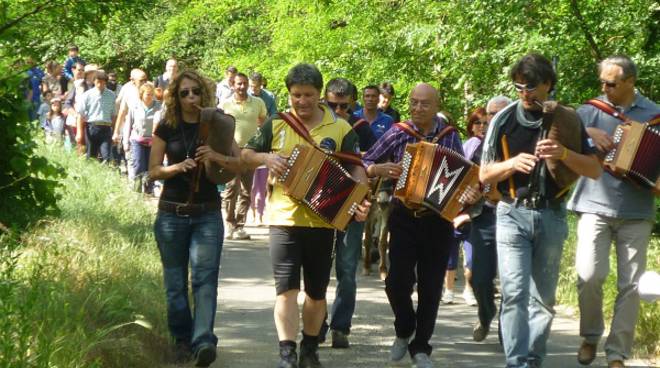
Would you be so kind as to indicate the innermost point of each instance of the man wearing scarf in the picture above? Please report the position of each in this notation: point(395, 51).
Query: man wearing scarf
point(531, 217)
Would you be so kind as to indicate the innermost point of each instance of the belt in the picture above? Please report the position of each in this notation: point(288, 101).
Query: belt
point(187, 209)
point(99, 123)
point(539, 204)
point(418, 213)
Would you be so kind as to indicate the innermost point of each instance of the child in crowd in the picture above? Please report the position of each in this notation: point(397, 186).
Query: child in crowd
point(44, 108)
point(55, 121)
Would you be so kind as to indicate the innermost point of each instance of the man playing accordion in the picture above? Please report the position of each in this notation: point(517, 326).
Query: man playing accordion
point(612, 209)
point(419, 240)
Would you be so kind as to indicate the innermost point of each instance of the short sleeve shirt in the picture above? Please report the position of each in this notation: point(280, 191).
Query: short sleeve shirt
point(608, 195)
point(333, 134)
point(247, 113)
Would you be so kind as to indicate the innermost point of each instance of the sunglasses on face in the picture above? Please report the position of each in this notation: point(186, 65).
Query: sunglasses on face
point(608, 84)
point(185, 92)
point(335, 105)
point(525, 87)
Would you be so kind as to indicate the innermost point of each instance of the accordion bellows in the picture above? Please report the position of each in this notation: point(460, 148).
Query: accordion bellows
point(318, 181)
point(636, 155)
point(434, 177)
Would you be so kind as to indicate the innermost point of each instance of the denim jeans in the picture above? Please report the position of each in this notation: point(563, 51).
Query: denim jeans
point(529, 247)
point(196, 240)
point(484, 264)
point(348, 253)
point(98, 138)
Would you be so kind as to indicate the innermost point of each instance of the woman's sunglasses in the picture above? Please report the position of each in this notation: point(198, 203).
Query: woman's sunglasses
point(185, 92)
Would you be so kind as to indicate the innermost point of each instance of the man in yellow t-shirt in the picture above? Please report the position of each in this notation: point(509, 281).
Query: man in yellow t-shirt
point(250, 113)
point(298, 238)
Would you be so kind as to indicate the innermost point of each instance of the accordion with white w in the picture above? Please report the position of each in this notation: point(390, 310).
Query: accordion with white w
point(434, 177)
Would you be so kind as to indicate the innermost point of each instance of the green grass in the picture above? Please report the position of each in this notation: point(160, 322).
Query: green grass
point(647, 333)
point(84, 289)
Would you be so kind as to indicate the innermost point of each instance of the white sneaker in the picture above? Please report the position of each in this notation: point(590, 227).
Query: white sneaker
point(422, 360)
point(468, 296)
point(240, 234)
point(230, 234)
point(448, 296)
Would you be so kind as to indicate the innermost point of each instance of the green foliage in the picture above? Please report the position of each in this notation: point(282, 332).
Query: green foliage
point(84, 289)
point(27, 181)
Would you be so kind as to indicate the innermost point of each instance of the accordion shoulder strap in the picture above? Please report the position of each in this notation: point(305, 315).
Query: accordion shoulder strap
point(302, 131)
point(408, 129)
point(655, 120)
point(608, 109)
point(360, 123)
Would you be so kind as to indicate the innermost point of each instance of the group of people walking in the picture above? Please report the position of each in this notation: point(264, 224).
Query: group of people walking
point(518, 235)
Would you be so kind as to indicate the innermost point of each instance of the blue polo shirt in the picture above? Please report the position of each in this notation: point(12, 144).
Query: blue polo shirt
point(380, 125)
point(608, 195)
point(97, 107)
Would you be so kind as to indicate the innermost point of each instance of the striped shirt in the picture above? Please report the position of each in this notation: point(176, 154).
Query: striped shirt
point(98, 107)
point(390, 147)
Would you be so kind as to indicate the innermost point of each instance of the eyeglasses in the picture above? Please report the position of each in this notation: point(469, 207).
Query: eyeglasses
point(335, 105)
point(608, 84)
point(185, 92)
point(525, 87)
point(424, 105)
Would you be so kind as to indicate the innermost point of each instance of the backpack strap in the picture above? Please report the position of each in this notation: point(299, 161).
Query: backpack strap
point(302, 131)
point(607, 108)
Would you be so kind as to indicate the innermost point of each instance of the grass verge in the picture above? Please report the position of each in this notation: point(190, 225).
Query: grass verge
point(84, 289)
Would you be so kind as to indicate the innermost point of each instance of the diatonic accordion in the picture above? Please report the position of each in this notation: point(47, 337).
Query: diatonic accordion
point(321, 183)
point(636, 155)
point(434, 177)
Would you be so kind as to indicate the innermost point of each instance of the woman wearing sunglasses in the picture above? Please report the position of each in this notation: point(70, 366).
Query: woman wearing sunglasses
point(188, 227)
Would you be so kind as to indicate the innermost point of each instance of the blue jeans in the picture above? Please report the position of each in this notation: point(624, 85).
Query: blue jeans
point(348, 253)
point(196, 240)
point(529, 247)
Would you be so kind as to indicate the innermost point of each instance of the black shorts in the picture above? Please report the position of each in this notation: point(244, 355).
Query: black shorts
point(310, 247)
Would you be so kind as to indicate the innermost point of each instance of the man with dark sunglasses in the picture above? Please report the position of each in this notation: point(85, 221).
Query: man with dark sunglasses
point(531, 216)
point(349, 243)
point(611, 210)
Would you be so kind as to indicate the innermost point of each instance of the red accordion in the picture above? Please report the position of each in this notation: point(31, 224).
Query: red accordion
point(637, 154)
point(318, 180)
point(434, 177)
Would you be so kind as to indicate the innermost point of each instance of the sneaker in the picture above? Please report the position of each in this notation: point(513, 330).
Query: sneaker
point(230, 234)
point(468, 296)
point(309, 358)
point(399, 349)
point(339, 340)
point(448, 297)
point(205, 355)
point(586, 353)
point(479, 332)
point(240, 234)
point(422, 360)
point(182, 352)
point(288, 357)
point(616, 364)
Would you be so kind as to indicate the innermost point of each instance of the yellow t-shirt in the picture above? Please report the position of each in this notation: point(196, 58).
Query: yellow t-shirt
point(246, 113)
point(276, 136)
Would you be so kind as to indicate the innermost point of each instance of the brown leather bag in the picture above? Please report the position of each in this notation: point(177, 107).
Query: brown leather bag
point(221, 139)
point(566, 128)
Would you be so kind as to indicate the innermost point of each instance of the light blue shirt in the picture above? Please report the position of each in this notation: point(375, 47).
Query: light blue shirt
point(97, 107)
point(608, 195)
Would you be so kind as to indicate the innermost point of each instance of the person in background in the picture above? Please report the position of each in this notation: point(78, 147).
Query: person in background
point(71, 60)
point(95, 117)
point(225, 88)
point(171, 69)
point(256, 90)
point(44, 108)
point(385, 101)
point(52, 79)
point(140, 120)
point(54, 124)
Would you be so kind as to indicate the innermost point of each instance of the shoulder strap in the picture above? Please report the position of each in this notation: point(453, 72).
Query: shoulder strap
point(406, 128)
point(607, 108)
point(655, 120)
point(360, 123)
point(302, 131)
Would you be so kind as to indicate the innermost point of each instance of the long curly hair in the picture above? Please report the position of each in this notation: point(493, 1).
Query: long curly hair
point(173, 104)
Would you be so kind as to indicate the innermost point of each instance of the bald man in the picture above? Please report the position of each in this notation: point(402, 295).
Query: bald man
point(128, 95)
point(419, 240)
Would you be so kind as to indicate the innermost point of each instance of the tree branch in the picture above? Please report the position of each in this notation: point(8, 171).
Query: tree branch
point(38, 9)
point(587, 34)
